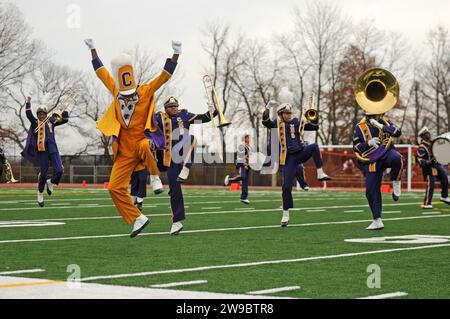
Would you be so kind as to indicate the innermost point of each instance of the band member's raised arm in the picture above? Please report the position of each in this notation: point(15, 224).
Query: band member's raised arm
point(29, 113)
point(203, 118)
point(64, 119)
point(392, 130)
point(102, 73)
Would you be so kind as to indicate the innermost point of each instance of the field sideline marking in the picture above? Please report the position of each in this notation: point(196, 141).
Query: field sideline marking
point(27, 284)
point(215, 229)
point(24, 271)
point(180, 283)
point(231, 211)
point(273, 290)
point(387, 295)
point(259, 263)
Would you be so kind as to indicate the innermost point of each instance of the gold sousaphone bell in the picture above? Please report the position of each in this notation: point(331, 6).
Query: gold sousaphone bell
point(376, 92)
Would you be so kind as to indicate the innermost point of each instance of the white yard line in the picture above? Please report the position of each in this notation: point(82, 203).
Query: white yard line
point(260, 263)
point(273, 290)
point(211, 207)
point(9, 224)
point(392, 212)
point(215, 230)
point(354, 211)
point(431, 213)
point(387, 295)
point(180, 283)
point(24, 271)
point(315, 210)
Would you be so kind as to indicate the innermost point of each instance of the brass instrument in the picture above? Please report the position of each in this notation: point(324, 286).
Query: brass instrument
point(213, 100)
point(58, 113)
point(376, 92)
point(9, 176)
point(311, 114)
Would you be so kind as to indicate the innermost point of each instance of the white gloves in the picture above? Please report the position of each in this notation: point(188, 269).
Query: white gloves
point(271, 104)
point(90, 43)
point(374, 142)
point(176, 46)
point(376, 123)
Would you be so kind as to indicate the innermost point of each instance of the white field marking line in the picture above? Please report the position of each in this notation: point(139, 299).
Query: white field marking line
point(14, 223)
point(277, 210)
point(245, 208)
point(354, 211)
point(392, 212)
point(268, 200)
point(24, 271)
point(273, 290)
point(431, 213)
point(211, 207)
point(213, 230)
point(180, 283)
point(315, 210)
point(259, 263)
point(387, 295)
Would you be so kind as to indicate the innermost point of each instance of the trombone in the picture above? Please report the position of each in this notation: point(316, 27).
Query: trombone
point(58, 113)
point(213, 100)
point(311, 114)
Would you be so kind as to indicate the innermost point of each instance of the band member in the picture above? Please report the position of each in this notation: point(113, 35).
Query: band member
point(176, 158)
point(367, 137)
point(138, 186)
point(292, 151)
point(431, 170)
point(4, 165)
point(130, 121)
point(40, 147)
point(300, 177)
point(243, 168)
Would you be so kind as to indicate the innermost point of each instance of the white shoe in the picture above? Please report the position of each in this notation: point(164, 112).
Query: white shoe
point(183, 174)
point(49, 187)
point(40, 199)
point(139, 224)
point(176, 228)
point(156, 184)
point(427, 206)
point(377, 224)
point(285, 218)
point(245, 201)
point(227, 180)
point(321, 176)
point(396, 190)
point(445, 200)
point(306, 188)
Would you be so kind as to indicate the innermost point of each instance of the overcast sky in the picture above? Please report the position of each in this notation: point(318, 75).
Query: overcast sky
point(116, 25)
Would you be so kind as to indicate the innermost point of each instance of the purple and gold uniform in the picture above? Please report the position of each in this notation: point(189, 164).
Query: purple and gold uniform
point(243, 168)
point(179, 151)
point(364, 131)
point(292, 151)
point(40, 147)
point(431, 171)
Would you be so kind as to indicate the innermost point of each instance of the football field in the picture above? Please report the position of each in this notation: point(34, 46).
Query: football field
point(226, 248)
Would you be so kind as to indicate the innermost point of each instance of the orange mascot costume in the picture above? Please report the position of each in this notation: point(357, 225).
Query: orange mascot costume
point(130, 121)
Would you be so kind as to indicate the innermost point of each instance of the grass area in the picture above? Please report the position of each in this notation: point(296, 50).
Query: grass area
point(221, 234)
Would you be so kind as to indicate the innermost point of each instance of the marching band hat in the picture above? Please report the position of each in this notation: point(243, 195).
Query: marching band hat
point(423, 131)
point(285, 107)
point(171, 101)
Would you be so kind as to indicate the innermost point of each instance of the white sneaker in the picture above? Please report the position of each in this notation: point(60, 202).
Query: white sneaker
point(306, 188)
point(245, 201)
point(321, 176)
point(445, 200)
point(139, 224)
point(427, 206)
point(183, 174)
point(40, 199)
point(396, 190)
point(285, 218)
point(156, 184)
point(49, 187)
point(227, 180)
point(377, 224)
point(176, 228)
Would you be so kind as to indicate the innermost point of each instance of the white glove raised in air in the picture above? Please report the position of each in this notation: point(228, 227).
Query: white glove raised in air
point(90, 43)
point(376, 124)
point(271, 104)
point(374, 142)
point(176, 46)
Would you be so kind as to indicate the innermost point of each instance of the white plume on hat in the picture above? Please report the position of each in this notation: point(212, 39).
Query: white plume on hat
point(44, 100)
point(118, 62)
point(286, 95)
point(423, 130)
